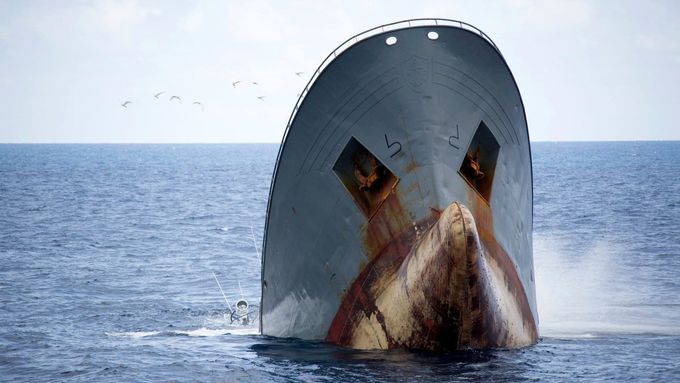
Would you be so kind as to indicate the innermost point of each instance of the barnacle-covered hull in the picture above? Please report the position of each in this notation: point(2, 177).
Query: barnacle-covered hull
point(400, 211)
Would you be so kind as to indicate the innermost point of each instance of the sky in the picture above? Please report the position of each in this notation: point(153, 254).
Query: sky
point(587, 70)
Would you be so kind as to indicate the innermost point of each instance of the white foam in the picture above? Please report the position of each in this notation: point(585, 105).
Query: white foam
point(245, 331)
point(596, 329)
point(205, 332)
point(133, 334)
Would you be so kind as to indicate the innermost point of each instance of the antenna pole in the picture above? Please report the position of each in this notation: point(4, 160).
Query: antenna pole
point(223, 295)
point(252, 232)
point(257, 251)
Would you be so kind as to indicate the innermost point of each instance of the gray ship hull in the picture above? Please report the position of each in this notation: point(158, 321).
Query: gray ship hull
point(404, 177)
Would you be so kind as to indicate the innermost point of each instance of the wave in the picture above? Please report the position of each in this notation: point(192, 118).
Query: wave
point(199, 332)
point(577, 329)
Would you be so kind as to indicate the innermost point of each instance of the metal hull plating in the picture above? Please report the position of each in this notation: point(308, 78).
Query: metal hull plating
point(400, 212)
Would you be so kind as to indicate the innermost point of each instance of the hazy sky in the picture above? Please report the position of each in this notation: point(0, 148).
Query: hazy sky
point(587, 70)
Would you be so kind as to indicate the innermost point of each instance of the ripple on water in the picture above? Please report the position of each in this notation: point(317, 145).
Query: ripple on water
point(107, 255)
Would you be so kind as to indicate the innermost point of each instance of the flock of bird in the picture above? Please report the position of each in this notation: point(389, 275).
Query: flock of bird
point(158, 95)
point(198, 103)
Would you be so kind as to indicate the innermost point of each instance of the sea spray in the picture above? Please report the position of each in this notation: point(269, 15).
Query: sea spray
point(595, 292)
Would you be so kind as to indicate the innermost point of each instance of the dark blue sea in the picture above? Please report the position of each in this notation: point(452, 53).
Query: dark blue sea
point(107, 254)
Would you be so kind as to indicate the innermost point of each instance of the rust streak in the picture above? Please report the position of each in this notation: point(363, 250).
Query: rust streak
point(442, 283)
point(411, 166)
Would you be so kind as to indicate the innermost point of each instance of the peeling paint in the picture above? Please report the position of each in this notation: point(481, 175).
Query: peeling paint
point(444, 290)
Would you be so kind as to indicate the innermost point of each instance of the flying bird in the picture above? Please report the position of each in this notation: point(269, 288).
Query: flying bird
point(176, 97)
point(199, 104)
point(158, 94)
point(299, 74)
point(261, 97)
point(125, 104)
point(235, 83)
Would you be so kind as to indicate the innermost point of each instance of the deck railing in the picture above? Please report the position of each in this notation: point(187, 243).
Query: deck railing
point(422, 22)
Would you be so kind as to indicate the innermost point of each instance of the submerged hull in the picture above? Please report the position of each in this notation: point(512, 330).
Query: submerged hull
point(400, 211)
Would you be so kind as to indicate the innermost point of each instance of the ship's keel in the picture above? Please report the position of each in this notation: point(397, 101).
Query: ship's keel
point(451, 290)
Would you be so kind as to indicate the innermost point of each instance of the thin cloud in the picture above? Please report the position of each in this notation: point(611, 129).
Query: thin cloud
point(119, 17)
point(660, 44)
point(88, 26)
point(192, 23)
point(74, 61)
point(555, 13)
point(657, 42)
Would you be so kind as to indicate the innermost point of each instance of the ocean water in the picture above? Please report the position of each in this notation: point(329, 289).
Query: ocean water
point(107, 254)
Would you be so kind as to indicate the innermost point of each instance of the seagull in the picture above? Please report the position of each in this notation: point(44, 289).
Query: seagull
point(199, 104)
point(125, 104)
point(158, 94)
point(176, 97)
point(261, 98)
point(299, 74)
point(235, 83)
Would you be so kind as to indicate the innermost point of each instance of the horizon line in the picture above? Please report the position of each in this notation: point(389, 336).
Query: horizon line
point(278, 143)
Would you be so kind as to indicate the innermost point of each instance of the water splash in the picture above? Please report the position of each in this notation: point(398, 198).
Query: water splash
point(206, 325)
point(133, 334)
point(595, 293)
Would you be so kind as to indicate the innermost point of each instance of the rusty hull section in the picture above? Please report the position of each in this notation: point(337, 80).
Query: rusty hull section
point(440, 284)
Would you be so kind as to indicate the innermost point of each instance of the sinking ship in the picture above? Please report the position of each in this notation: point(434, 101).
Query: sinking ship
point(401, 205)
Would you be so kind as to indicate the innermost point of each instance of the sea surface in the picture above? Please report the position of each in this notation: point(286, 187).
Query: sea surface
point(107, 254)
